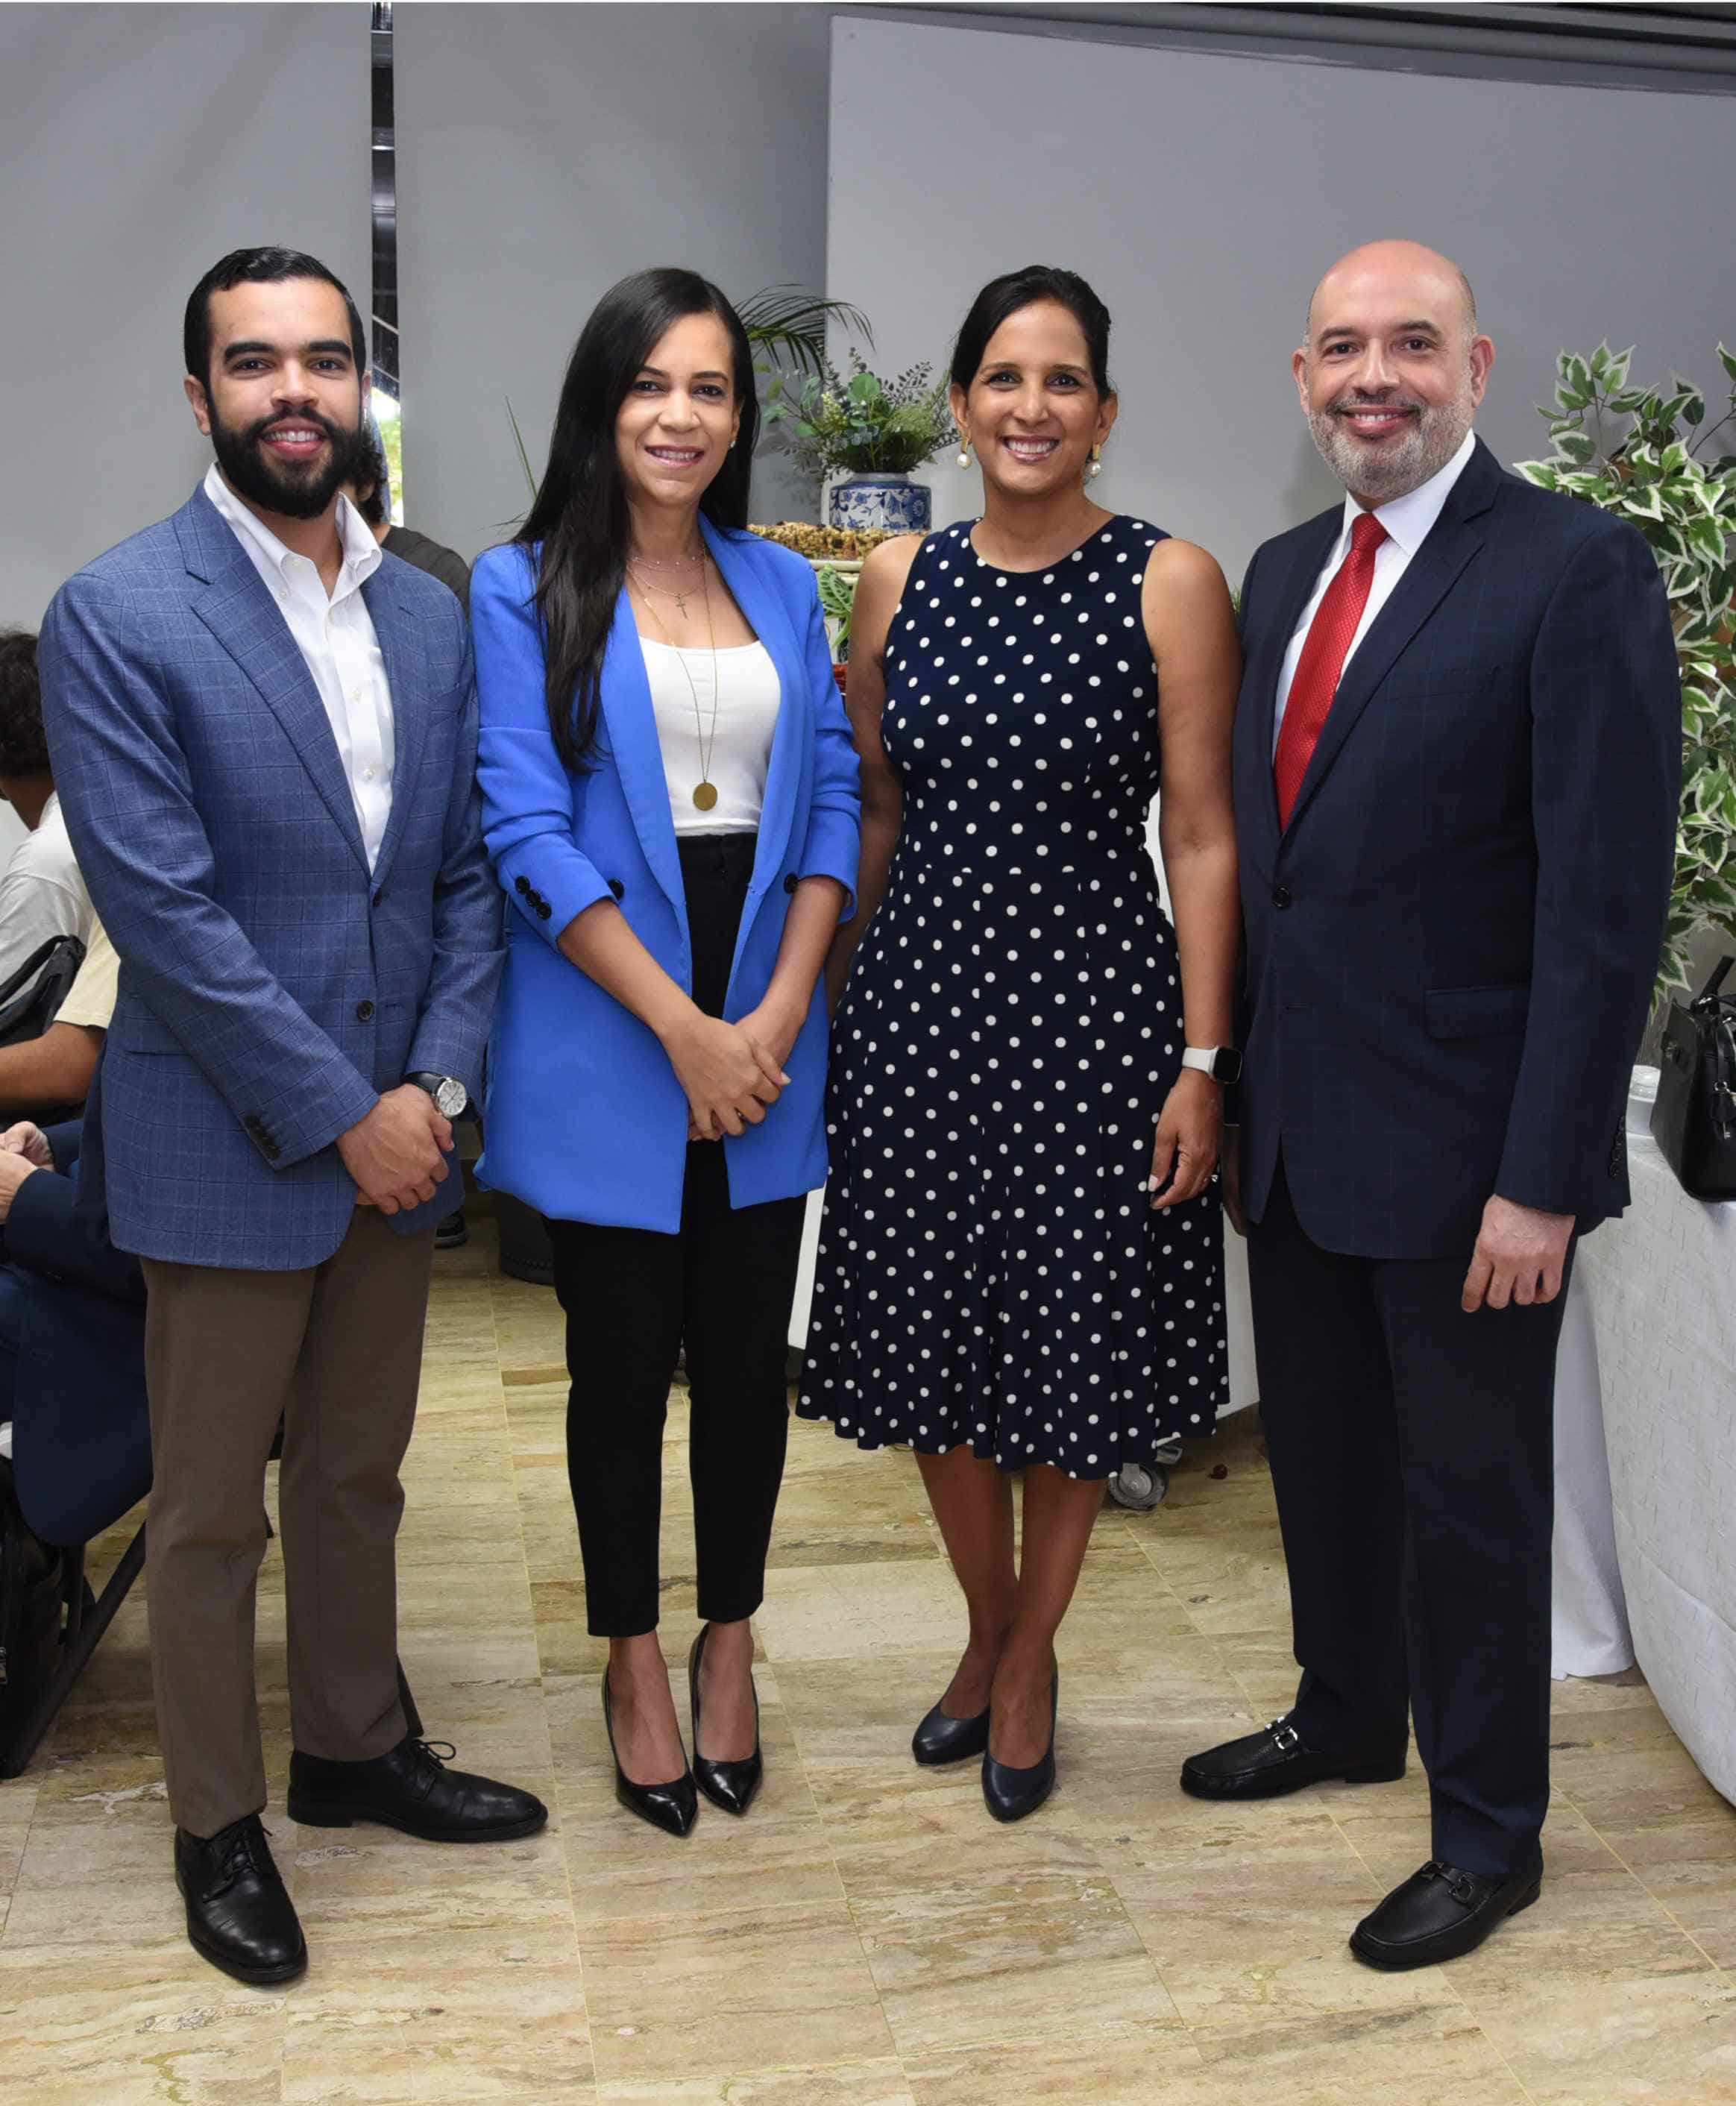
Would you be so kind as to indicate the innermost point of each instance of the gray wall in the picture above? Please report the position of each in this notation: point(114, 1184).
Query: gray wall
point(1203, 195)
point(544, 152)
point(137, 144)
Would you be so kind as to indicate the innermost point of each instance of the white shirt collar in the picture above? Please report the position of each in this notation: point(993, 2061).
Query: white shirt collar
point(1409, 519)
point(361, 552)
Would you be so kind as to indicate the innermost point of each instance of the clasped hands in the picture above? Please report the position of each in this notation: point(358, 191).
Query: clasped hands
point(397, 1154)
point(23, 1151)
point(731, 1073)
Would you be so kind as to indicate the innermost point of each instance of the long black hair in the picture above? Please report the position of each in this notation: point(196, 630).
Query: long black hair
point(580, 515)
point(1004, 296)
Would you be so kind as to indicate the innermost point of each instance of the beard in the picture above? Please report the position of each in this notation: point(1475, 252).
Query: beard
point(1396, 470)
point(293, 491)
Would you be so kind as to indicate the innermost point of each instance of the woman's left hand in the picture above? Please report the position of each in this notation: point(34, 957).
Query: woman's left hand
point(770, 1027)
point(1189, 1134)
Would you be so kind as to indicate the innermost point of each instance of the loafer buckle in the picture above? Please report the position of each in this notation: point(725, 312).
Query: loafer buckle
point(1285, 1736)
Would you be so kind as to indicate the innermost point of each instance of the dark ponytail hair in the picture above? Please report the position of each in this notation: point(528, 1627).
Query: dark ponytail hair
point(1004, 296)
point(580, 515)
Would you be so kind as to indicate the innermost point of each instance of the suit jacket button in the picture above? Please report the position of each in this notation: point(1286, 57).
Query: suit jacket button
point(616, 887)
point(544, 909)
point(791, 882)
point(523, 888)
point(1280, 895)
point(364, 1011)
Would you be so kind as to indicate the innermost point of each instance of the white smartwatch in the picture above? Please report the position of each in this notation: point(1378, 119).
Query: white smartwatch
point(1222, 1063)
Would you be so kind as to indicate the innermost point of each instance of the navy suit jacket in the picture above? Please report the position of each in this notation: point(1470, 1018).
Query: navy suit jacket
point(81, 1433)
point(1451, 947)
point(271, 986)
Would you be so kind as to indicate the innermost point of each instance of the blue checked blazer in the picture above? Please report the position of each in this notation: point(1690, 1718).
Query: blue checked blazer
point(1451, 947)
point(271, 987)
point(585, 1118)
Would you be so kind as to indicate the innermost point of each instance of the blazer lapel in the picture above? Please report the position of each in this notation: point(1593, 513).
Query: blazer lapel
point(407, 682)
point(239, 610)
point(770, 621)
point(630, 727)
point(1451, 542)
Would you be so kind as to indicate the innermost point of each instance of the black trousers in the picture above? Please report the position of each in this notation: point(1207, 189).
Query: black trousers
point(722, 1287)
point(1413, 1459)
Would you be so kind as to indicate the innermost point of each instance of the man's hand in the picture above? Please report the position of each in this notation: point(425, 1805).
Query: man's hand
point(29, 1141)
point(397, 1154)
point(14, 1169)
point(1519, 1255)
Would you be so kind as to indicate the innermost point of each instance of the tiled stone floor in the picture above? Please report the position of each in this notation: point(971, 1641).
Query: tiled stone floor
point(867, 1937)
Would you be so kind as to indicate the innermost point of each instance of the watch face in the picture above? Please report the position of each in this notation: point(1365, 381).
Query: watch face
point(451, 1097)
point(1226, 1066)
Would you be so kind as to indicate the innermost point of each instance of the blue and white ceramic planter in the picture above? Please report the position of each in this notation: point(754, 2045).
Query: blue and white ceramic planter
point(881, 504)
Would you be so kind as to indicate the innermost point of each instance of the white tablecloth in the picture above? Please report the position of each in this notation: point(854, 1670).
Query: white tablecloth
point(1661, 1283)
point(1589, 1631)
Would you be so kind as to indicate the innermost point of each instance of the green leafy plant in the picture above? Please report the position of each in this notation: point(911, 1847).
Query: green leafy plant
point(855, 423)
point(1643, 453)
point(786, 327)
point(837, 583)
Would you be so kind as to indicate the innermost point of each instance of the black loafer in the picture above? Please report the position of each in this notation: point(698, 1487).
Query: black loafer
point(411, 1789)
point(941, 1738)
point(1277, 1759)
point(1010, 1794)
point(729, 1785)
point(239, 1914)
point(673, 1807)
point(1441, 1912)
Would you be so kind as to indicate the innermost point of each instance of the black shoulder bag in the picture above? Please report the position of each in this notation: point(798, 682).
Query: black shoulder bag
point(1694, 1120)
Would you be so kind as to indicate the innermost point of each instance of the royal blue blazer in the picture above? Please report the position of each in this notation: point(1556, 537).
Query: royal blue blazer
point(585, 1119)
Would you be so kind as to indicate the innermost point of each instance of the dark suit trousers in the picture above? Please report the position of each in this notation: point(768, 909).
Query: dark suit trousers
point(335, 1351)
point(722, 1287)
point(1413, 1460)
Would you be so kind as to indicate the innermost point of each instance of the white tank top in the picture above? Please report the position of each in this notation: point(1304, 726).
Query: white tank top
point(747, 697)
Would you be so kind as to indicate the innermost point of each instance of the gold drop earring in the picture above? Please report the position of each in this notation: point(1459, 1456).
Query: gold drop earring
point(964, 450)
point(1096, 469)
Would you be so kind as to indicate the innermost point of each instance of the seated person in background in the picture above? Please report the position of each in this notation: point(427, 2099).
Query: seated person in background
point(41, 895)
point(52, 1073)
point(373, 500)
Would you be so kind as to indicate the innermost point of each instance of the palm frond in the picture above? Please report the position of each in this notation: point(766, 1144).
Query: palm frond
point(791, 322)
point(524, 457)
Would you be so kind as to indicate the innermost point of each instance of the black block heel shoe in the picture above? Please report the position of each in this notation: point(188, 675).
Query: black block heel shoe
point(731, 1785)
point(941, 1738)
point(1009, 1794)
point(673, 1808)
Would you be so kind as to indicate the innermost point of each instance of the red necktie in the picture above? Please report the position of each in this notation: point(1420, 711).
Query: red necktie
point(1329, 636)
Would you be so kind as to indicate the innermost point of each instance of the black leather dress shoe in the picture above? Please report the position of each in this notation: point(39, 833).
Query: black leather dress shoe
point(1440, 1912)
point(941, 1738)
point(673, 1808)
point(239, 1914)
point(729, 1785)
point(1010, 1794)
point(1277, 1759)
point(411, 1789)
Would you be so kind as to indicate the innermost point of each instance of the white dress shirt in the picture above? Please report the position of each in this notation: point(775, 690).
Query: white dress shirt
point(336, 637)
point(41, 895)
point(1407, 520)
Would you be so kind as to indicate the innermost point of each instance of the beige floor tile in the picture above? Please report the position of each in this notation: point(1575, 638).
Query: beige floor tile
point(1424, 2055)
point(879, 2083)
point(1689, 1865)
point(739, 1988)
point(1152, 2064)
point(1665, 2040)
point(856, 1611)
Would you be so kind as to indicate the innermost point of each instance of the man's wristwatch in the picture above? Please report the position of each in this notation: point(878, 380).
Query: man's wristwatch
point(448, 1093)
point(1222, 1063)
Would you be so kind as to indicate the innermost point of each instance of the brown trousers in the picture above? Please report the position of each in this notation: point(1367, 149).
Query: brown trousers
point(335, 1351)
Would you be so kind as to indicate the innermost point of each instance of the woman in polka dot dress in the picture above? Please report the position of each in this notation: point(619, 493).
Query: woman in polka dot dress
point(1013, 1274)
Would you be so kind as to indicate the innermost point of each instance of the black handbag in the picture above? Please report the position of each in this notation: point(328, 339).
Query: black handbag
point(1694, 1118)
point(31, 999)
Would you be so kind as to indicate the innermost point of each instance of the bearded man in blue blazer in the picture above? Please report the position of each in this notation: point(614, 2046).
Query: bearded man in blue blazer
point(1457, 764)
point(264, 731)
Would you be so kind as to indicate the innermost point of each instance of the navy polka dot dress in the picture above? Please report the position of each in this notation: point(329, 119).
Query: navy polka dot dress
point(990, 1269)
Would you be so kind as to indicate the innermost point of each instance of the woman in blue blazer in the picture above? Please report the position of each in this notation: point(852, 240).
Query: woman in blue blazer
point(669, 792)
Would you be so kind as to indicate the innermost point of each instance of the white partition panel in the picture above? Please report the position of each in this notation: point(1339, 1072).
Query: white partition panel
point(137, 144)
point(1203, 195)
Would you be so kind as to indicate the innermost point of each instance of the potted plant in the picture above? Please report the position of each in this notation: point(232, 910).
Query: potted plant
point(1645, 455)
point(872, 433)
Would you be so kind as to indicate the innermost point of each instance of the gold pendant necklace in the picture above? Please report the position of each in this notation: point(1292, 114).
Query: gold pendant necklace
point(705, 790)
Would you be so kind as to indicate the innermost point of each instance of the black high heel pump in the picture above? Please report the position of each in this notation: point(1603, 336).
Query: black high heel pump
point(1011, 1793)
point(673, 1808)
point(732, 1785)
